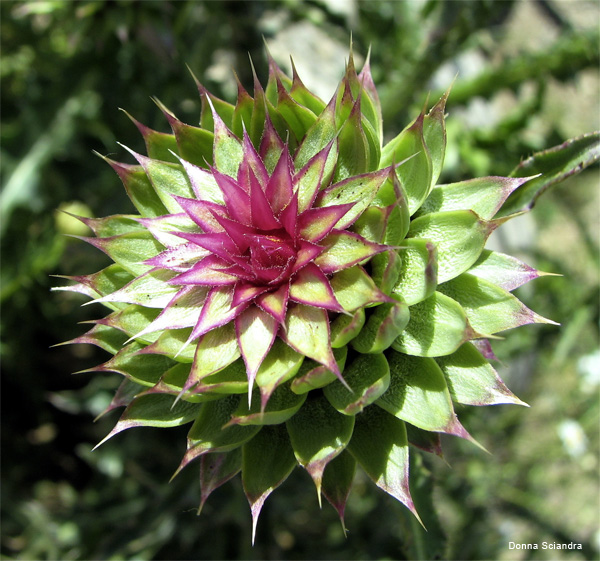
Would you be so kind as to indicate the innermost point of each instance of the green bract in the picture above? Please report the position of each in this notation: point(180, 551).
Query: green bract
point(301, 293)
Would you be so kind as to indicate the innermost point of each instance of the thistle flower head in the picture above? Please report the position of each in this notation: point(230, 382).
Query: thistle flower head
point(268, 245)
point(301, 293)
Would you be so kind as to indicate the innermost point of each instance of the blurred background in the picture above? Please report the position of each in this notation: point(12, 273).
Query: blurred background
point(527, 78)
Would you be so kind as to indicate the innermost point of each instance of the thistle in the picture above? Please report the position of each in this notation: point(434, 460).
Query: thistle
point(301, 293)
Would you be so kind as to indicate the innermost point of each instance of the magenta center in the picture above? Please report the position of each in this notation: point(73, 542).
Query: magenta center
point(271, 256)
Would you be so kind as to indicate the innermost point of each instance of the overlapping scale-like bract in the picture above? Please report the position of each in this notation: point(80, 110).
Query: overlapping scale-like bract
point(301, 293)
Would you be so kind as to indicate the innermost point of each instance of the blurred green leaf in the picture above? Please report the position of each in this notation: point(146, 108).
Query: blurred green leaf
point(554, 165)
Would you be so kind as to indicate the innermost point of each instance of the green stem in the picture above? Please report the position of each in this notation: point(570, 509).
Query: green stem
point(570, 53)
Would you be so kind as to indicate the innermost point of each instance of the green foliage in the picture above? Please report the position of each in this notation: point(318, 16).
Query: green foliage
point(67, 67)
